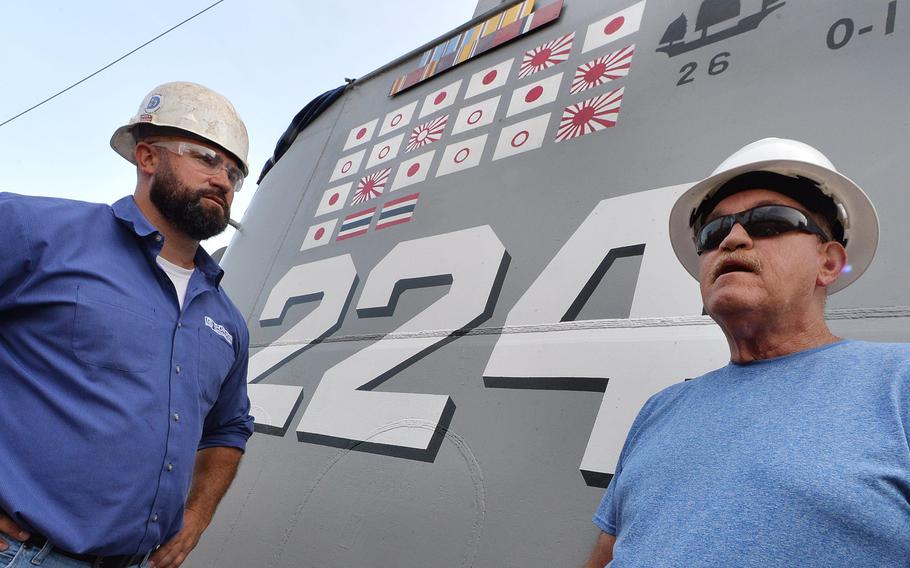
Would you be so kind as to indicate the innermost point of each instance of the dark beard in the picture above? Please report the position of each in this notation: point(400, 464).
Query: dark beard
point(183, 207)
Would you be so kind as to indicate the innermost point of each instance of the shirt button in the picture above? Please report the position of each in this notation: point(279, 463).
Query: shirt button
point(176, 417)
point(177, 368)
point(179, 325)
point(155, 518)
point(170, 467)
point(158, 238)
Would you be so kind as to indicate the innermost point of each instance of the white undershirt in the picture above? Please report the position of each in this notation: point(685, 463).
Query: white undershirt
point(179, 276)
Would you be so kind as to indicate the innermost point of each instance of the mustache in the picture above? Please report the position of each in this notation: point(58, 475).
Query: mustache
point(736, 260)
point(221, 196)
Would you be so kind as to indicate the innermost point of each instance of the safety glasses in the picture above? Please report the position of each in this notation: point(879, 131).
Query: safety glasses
point(762, 221)
point(205, 160)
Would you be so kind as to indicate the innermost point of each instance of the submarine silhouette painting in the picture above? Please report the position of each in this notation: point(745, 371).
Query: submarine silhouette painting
point(713, 12)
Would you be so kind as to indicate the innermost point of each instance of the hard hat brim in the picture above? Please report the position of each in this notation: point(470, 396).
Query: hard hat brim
point(862, 230)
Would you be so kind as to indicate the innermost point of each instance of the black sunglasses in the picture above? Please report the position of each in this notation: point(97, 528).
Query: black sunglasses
point(762, 221)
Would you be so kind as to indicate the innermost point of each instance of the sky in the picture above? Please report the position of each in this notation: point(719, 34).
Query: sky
point(270, 58)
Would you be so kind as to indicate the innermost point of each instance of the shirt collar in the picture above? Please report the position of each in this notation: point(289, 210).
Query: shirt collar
point(126, 210)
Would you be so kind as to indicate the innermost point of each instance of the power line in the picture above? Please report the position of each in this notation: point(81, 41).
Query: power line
point(112, 63)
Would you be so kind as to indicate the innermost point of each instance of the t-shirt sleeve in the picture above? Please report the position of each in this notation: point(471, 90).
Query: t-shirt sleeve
point(607, 516)
point(228, 423)
point(17, 260)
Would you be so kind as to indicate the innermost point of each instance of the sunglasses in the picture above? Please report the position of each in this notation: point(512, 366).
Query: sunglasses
point(762, 221)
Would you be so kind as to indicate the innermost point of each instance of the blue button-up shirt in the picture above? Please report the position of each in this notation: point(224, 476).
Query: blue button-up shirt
point(107, 387)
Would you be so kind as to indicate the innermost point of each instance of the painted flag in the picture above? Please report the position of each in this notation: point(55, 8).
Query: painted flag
point(413, 171)
point(589, 116)
point(438, 100)
point(333, 199)
point(476, 115)
point(547, 55)
point(427, 133)
point(461, 155)
point(360, 134)
point(489, 78)
point(347, 165)
point(397, 118)
point(522, 137)
point(355, 224)
point(534, 95)
point(603, 69)
point(385, 151)
point(613, 27)
point(318, 235)
point(371, 186)
point(545, 11)
point(397, 211)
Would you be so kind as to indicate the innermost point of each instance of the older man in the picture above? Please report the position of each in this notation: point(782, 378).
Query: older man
point(124, 410)
point(797, 453)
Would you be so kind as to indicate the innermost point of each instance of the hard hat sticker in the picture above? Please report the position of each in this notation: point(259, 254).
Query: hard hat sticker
point(153, 104)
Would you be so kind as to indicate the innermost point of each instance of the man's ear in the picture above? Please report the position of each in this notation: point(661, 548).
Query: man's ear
point(147, 157)
point(833, 261)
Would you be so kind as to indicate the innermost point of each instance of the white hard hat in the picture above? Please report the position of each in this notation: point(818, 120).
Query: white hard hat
point(855, 211)
point(192, 109)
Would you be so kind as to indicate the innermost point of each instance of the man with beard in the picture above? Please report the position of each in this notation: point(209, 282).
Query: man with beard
point(124, 409)
point(796, 453)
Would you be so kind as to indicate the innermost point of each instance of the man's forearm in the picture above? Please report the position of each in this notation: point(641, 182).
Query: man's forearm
point(214, 471)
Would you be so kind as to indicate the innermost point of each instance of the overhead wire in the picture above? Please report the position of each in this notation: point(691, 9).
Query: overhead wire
point(112, 63)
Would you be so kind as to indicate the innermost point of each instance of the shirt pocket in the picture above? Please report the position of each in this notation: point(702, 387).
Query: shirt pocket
point(108, 334)
point(216, 358)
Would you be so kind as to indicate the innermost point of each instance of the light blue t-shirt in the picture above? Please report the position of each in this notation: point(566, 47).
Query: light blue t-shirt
point(802, 460)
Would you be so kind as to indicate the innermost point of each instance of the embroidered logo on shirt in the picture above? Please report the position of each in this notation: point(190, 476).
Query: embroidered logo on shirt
point(220, 330)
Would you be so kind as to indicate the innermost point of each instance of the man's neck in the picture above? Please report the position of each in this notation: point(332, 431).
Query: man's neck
point(178, 248)
point(754, 339)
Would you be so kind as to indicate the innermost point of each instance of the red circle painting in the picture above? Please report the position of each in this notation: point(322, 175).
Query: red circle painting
point(475, 116)
point(347, 167)
point(395, 120)
point(412, 171)
point(520, 138)
point(440, 97)
point(534, 94)
point(489, 77)
point(384, 152)
point(334, 199)
point(584, 115)
point(462, 155)
point(361, 133)
point(320, 232)
point(541, 57)
point(594, 73)
point(614, 25)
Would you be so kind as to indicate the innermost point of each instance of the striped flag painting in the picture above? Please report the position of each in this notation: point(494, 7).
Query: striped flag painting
point(355, 224)
point(397, 211)
point(547, 55)
point(599, 71)
point(589, 116)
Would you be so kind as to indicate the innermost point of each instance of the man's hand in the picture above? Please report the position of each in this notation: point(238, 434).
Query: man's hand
point(172, 553)
point(603, 551)
point(212, 475)
point(9, 527)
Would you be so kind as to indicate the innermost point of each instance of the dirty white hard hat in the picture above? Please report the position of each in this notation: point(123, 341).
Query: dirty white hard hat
point(855, 211)
point(183, 107)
